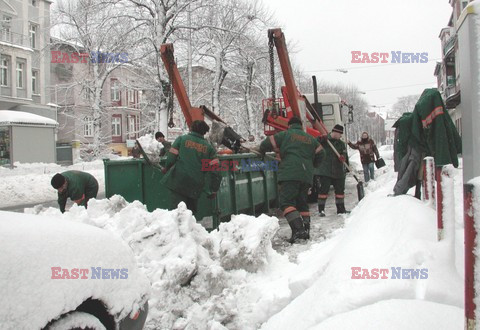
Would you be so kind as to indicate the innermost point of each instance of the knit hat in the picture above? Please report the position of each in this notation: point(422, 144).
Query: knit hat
point(338, 128)
point(200, 127)
point(294, 120)
point(57, 181)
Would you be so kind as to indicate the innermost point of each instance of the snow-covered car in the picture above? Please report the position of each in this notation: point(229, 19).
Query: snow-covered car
point(60, 274)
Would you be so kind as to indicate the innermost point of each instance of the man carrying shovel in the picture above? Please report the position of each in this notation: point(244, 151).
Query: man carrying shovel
point(332, 170)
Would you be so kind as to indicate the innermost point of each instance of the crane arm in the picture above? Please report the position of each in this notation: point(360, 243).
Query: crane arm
point(190, 113)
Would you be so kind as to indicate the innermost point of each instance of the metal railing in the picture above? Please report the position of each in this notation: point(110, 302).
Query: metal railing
point(450, 90)
point(450, 44)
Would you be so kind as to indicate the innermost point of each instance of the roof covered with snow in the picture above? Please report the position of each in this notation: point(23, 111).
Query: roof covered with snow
point(9, 117)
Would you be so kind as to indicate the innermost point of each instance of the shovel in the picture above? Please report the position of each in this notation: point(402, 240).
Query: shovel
point(360, 190)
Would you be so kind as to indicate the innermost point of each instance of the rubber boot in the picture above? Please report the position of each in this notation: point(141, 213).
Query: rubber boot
point(341, 208)
point(306, 224)
point(296, 224)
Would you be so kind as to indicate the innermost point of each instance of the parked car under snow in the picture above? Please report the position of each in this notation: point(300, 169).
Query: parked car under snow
point(58, 274)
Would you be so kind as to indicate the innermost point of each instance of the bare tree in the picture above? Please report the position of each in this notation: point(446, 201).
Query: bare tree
point(161, 20)
point(404, 104)
point(95, 28)
point(223, 27)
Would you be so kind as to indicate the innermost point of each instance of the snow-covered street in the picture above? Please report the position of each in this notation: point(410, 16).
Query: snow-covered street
point(245, 276)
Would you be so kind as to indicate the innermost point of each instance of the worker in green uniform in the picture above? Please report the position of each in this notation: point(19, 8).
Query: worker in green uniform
point(77, 185)
point(332, 171)
point(166, 145)
point(184, 176)
point(298, 153)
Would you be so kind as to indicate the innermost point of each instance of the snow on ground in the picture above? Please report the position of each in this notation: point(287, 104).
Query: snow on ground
point(410, 314)
point(30, 183)
point(230, 278)
point(233, 278)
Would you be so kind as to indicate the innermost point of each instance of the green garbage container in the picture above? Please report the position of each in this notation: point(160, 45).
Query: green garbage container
point(241, 191)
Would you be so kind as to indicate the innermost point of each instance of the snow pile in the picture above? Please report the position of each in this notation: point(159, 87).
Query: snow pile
point(233, 279)
point(151, 147)
point(383, 233)
point(225, 279)
point(246, 244)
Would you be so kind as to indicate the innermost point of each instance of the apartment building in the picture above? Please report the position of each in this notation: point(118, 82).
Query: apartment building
point(24, 77)
point(24, 66)
point(71, 76)
point(446, 71)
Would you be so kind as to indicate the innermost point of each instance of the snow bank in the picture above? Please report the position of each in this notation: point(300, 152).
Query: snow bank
point(382, 232)
point(230, 278)
point(411, 314)
point(233, 279)
point(30, 183)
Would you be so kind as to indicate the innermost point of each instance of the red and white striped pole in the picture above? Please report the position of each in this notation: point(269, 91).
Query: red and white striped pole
point(429, 180)
point(470, 246)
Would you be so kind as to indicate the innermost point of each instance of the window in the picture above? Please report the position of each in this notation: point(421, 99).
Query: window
point(33, 35)
point(88, 126)
point(131, 96)
point(327, 109)
point(34, 82)
point(116, 126)
point(20, 67)
point(34, 2)
point(3, 71)
point(131, 125)
point(115, 93)
point(464, 4)
point(6, 32)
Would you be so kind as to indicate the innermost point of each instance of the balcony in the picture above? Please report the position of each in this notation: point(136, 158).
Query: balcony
point(452, 96)
point(14, 38)
point(450, 45)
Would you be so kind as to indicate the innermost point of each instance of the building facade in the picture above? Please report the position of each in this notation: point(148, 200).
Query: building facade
point(446, 71)
point(24, 70)
point(24, 66)
point(71, 80)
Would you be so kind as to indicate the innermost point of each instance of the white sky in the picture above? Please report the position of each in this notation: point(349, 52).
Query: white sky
point(326, 31)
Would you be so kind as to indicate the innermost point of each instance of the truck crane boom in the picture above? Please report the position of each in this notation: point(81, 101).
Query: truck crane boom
point(228, 137)
point(298, 104)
